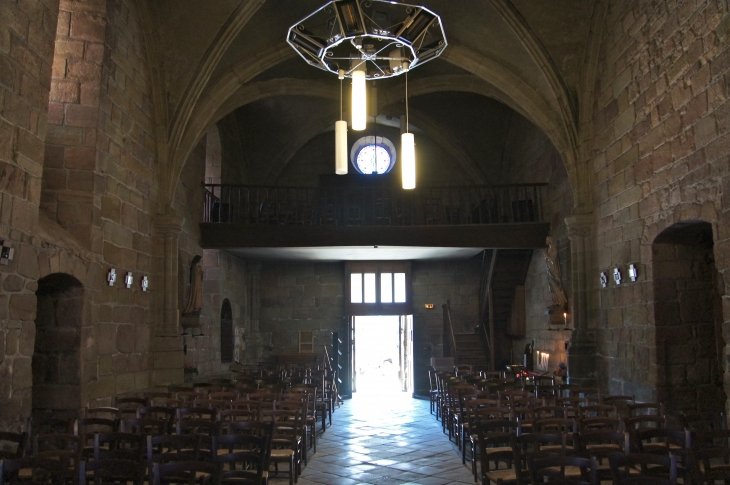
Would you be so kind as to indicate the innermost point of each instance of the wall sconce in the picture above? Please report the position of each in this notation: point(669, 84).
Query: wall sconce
point(543, 361)
point(6, 252)
point(617, 276)
point(604, 279)
point(111, 277)
point(145, 283)
point(633, 272)
point(128, 279)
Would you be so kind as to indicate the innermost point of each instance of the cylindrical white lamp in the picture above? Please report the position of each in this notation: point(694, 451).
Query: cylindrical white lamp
point(359, 100)
point(408, 160)
point(341, 147)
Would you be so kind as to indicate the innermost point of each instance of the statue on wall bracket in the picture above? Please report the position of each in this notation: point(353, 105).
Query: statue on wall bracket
point(557, 310)
point(190, 317)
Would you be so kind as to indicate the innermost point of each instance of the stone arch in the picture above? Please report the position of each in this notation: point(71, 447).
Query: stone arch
point(213, 154)
point(553, 116)
point(226, 330)
point(56, 365)
point(688, 319)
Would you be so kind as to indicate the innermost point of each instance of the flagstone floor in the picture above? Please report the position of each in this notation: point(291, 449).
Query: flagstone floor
point(383, 439)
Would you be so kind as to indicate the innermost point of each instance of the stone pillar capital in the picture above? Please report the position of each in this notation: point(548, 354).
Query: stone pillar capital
point(169, 223)
point(579, 225)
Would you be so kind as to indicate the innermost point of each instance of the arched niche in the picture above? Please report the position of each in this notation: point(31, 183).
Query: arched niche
point(688, 319)
point(56, 358)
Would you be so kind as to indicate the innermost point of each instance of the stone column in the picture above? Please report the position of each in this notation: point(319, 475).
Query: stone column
point(582, 348)
point(167, 366)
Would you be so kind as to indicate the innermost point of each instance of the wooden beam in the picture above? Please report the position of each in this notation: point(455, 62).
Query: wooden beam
point(519, 235)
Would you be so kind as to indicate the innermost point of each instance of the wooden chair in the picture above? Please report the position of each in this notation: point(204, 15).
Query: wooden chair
point(243, 458)
point(158, 412)
point(709, 465)
point(64, 448)
point(285, 442)
point(558, 469)
point(40, 470)
point(598, 411)
point(649, 466)
point(503, 451)
point(145, 426)
point(128, 406)
point(185, 473)
point(495, 427)
point(86, 428)
point(124, 446)
point(167, 448)
point(601, 444)
point(111, 471)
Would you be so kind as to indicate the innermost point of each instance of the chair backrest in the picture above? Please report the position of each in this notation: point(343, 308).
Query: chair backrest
point(164, 448)
point(185, 472)
point(198, 426)
point(42, 470)
point(230, 416)
point(602, 443)
point(645, 408)
point(598, 410)
point(554, 468)
point(717, 438)
point(158, 412)
point(147, 426)
point(126, 446)
point(102, 412)
point(588, 424)
point(112, 470)
point(89, 426)
point(660, 440)
point(624, 466)
point(197, 413)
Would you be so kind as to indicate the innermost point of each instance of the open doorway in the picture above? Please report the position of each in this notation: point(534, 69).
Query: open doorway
point(382, 355)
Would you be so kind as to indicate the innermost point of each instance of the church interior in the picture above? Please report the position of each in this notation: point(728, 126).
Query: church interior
point(170, 210)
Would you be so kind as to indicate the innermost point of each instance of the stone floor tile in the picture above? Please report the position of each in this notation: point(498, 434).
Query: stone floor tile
point(383, 442)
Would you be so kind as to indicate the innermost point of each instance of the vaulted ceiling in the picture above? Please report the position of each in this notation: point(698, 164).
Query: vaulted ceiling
point(509, 64)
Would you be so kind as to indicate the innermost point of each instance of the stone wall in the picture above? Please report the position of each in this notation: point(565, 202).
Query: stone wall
point(438, 282)
point(292, 298)
point(660, 157)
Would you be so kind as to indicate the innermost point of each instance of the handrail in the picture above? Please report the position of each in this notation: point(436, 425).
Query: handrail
point(447, 318)
point(373, 205)
point(327, 359)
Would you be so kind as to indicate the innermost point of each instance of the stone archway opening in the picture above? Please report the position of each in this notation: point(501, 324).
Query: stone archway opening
point(688, 318)
point(56, 358)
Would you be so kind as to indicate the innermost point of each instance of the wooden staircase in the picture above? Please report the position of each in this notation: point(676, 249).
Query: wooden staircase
point(509, 271)
point(502, 271)
point(470, 350)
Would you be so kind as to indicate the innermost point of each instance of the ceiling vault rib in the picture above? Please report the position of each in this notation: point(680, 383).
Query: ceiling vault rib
point(179, 120)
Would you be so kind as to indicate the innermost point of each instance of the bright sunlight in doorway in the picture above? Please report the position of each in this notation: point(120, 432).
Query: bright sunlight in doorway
point(383, 357)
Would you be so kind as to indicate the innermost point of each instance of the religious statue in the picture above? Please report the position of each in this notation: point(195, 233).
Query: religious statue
point(195, 303)
point(553, 270)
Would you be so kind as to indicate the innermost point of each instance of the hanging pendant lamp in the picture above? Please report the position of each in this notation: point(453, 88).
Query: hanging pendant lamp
point(359, 99)
point(341, 137)
point(408, 150)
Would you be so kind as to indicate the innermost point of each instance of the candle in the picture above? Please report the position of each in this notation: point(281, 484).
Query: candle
point(565, 317)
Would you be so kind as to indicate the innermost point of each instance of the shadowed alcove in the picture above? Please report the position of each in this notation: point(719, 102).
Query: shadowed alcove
point(688, 315)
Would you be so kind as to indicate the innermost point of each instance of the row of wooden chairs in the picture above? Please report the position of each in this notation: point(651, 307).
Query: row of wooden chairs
point(242, 457)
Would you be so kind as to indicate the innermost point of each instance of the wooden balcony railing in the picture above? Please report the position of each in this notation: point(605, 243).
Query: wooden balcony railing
point(374, 206)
